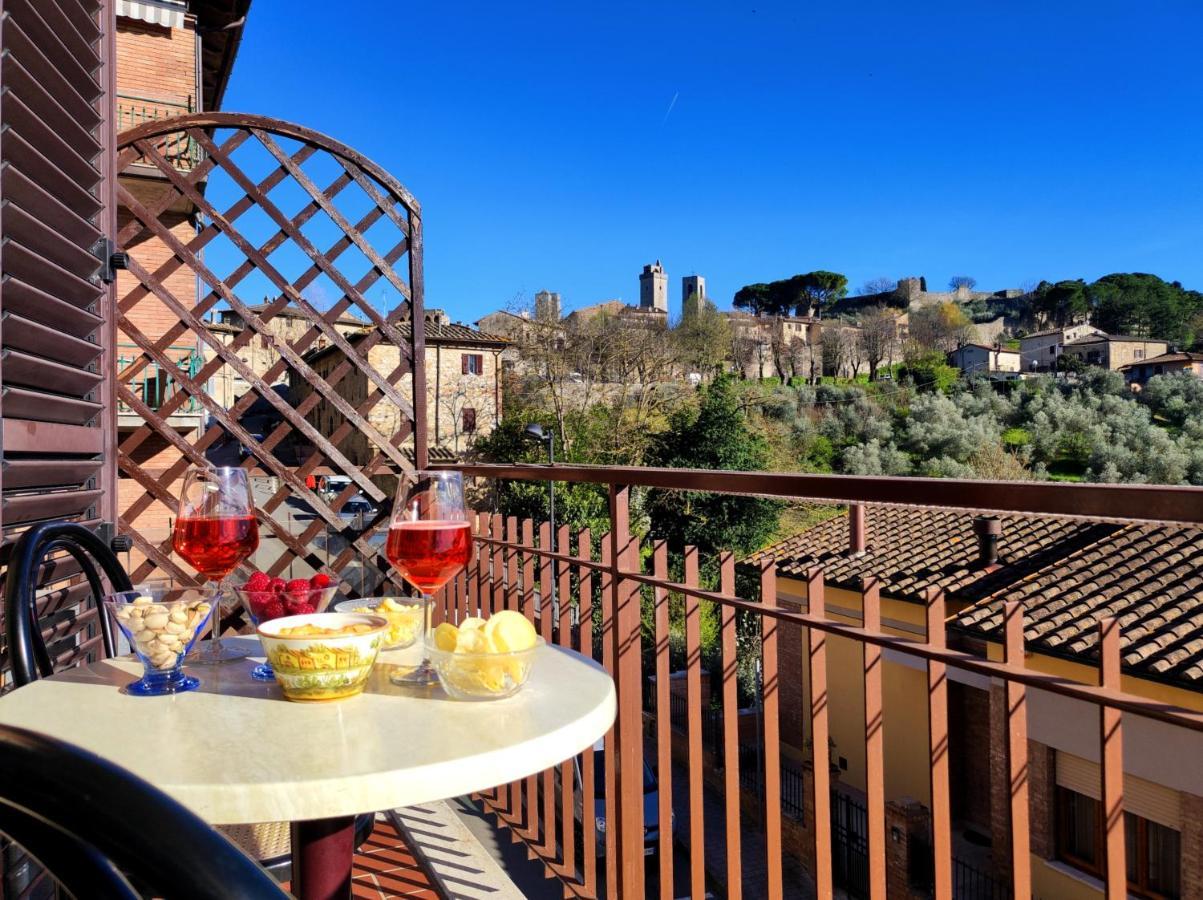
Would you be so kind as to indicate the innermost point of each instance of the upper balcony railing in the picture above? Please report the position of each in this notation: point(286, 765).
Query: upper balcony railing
point(179, 149)
point(153, 384)
point(608, 605)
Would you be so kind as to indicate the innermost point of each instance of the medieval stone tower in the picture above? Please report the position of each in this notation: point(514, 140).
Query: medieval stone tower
point(653, 288)
point(693, 293)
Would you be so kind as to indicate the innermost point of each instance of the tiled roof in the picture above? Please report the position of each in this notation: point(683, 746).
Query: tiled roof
point(1107, 338)
point(1151, 579)
point(911, 550)
point(1185, 356)
point(1067, 574)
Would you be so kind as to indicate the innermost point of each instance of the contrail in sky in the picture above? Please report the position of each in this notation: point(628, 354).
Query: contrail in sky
point(671, 104)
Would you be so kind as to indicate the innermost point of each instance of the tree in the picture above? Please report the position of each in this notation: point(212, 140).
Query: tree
point(758, 299)
point(879, 285)
point(819, 289)
point(835, 346)
point(943, 327)
point(1141, 304)
point(702, 338)
point(715, 436)
point(1063, 303)
point(956, 282)
point(878, 335)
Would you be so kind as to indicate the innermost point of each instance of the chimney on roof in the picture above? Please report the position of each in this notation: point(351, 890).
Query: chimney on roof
point(988, 530)
point(856, 529)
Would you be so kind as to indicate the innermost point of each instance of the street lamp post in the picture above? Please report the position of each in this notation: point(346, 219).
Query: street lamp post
point(536, 432)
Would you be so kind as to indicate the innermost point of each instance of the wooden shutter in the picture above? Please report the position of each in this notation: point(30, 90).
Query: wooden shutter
point(469, 420)
point(463, 363)
point(56, 212)
point(1142, 798)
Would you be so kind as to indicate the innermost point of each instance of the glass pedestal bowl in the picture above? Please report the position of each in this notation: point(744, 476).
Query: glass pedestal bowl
point(161, 624)
point(264, 605)
point(404, 614)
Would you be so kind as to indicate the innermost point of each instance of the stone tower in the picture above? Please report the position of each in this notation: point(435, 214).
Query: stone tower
point(693, 292)
point(653, 288)
point(547, 306)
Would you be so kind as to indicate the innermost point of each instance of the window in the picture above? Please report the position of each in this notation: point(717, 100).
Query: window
point(472, 363)
point(1052, 351)
point(1138, 354)
point(1153, 850)
point(469, 420)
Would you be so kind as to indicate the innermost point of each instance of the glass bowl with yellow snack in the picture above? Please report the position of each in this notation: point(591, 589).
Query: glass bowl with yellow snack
point(404, 615)
point(322, 656)
point(484, 659)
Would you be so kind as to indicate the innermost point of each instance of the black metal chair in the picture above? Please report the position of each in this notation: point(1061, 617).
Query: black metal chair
point(97, 827)
point(31, 659)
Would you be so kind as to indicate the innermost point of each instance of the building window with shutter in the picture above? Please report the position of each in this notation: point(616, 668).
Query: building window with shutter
point(469, 420)
point(1153, 851)
point(472, 363)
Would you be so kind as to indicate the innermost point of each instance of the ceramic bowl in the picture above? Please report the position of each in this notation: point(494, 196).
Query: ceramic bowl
point(320, 666)
point(263, 606)
point(404, 616)
point(482, 676)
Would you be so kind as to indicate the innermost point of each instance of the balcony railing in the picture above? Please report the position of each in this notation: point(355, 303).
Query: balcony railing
point(604, 592)
point(179, 149)
point(153, 384)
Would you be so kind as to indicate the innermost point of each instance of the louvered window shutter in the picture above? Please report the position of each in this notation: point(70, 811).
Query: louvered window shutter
point(56, 338)
point(463, 363)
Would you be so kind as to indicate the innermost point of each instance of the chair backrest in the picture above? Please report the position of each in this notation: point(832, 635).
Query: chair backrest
point(97, 827)
point(82, 553)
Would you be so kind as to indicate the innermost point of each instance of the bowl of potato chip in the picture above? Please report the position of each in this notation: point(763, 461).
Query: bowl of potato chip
point(404, 615)
point(484, 659)
point(322, 656)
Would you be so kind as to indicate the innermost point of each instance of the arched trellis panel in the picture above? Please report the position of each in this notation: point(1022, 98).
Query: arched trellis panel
point(248, 337)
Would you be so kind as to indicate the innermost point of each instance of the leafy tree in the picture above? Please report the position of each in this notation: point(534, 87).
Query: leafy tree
point(930, 372)
point(1144, 305)
point(1174, 397)
point(1062, 303)
point(968, 282)
point(715, 436)
point(942, 326)
point(819, 289)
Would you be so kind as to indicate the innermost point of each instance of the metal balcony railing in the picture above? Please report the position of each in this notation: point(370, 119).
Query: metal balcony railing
point(514, 565)
point(179, 149)
point(154, 384)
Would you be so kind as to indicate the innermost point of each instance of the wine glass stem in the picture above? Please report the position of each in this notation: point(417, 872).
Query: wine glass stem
point(427, 611)
point(215, 631)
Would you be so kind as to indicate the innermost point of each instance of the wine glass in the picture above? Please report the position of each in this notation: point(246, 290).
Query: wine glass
point(215, 531)
point(429, 542)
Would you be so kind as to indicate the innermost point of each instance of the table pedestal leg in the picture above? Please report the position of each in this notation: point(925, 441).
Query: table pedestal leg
point(322, 853)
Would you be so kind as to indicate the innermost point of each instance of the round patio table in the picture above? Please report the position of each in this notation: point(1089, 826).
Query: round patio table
point(236, 752)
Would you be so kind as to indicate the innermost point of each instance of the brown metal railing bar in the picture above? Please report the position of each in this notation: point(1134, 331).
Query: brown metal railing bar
point(769, 712)
point(548, 844)
point(957, 659)
point(693, 694)
point(1018, 767)
point(610, 781)
point(664, 759)
point(530, 830)
point(874, 721)
point(730, 686)
point(938, 751)
point(588, 776)
point(567, 783)
point(820, 735)
point(1111, 769)
point(1122, 502)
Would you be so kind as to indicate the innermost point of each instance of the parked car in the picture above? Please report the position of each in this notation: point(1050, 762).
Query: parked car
point(651, 802)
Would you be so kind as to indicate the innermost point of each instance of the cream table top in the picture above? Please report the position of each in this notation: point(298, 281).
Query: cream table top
point(235, 751)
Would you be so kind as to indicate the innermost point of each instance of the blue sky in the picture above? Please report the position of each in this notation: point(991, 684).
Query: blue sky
point(564, 145)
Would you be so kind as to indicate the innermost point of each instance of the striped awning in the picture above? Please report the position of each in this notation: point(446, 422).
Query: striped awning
point(168, 13)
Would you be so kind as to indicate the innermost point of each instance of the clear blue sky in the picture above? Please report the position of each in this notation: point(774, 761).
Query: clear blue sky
point(563, 145)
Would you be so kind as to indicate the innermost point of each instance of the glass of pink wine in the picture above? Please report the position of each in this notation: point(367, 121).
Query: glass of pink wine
point(215, 532)
point(429, 542)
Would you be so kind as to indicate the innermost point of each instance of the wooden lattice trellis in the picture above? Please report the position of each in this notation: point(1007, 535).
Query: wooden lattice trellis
point(360, 204)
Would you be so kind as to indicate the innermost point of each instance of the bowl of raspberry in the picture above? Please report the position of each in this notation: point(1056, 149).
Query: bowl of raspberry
point(265, 598)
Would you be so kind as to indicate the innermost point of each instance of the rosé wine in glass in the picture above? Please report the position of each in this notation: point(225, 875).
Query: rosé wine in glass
point(429, 554)
point(215, 545)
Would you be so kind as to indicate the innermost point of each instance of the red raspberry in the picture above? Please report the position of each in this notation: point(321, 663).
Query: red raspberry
point(272, 610)
point(298, 607)
point(277, 585)
point(320, 580)
point(259, 599)
point(259, 581)
point(298, 587)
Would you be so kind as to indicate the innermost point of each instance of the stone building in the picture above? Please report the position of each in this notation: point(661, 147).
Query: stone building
point(653, 288)
point(463, 388)
point(173, 57)
point(776, 346)
point(1040, 350)
point(1113, 351)
point(693, 294)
